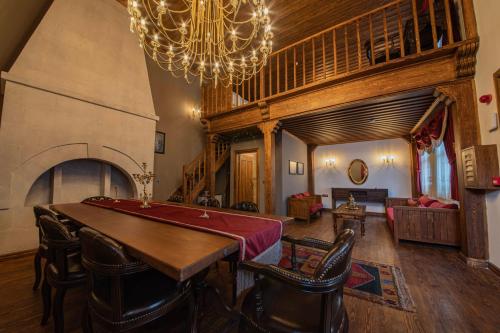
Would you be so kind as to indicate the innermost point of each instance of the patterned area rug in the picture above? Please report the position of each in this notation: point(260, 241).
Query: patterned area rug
point(378, 283)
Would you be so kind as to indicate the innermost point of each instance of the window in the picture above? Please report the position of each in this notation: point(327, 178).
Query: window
point(435, 173)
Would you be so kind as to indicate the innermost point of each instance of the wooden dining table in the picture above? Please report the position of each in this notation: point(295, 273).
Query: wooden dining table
point(176, 251)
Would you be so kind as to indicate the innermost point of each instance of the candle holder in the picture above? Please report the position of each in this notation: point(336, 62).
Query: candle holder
point(144, 179)
point(116, 195)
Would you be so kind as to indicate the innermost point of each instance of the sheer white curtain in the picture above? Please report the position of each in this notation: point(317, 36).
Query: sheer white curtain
point(435, 173)
point(425, 173)
point(443, 181)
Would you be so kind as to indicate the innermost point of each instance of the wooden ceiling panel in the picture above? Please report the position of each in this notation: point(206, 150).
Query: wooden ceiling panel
point(387, 118)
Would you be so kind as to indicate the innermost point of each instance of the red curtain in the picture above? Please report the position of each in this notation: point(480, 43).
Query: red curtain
point(431, 131)
point(449, 146)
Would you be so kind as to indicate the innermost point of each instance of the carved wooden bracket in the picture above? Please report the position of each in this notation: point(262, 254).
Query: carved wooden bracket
point(466, 59)
point(213, 138)
point(267, 127)
point(264, 110)
point(206, 125)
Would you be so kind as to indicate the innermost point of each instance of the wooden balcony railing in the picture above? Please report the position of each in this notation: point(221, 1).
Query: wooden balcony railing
point(394, 31)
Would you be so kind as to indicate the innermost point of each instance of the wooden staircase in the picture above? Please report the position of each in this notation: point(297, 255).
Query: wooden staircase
point(195, 173)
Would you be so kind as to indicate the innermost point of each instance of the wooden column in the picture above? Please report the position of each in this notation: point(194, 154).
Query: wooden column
point(212, 140)
point(269, 129)
point(310, 167)
point(473, 223)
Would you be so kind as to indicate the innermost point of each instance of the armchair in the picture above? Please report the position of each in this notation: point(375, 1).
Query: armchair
point(287, 301)
point(304, 205)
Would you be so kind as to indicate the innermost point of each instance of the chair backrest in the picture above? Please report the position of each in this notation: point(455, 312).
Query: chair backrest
point(337, 262)
point(39, 211)
point(60, 243)
point(210, 202)
point(53, 230)
point(102, 254)
point(98, 198)
point(108, 266)
point(176, 198)
point(246, 206)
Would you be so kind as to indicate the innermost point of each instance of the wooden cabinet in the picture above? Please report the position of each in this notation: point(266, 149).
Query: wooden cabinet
point(480, 164)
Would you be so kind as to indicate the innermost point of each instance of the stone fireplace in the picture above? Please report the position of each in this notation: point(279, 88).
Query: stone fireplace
point(77, 118)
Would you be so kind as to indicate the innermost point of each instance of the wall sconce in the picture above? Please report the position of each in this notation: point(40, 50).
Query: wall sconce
point(330, 163)
point(388, 160)
point(196, 113)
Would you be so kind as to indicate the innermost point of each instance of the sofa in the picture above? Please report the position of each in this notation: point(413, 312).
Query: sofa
point(423, 219)
point(303, 206)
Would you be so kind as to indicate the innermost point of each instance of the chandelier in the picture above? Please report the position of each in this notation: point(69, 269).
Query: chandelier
point(213, 39)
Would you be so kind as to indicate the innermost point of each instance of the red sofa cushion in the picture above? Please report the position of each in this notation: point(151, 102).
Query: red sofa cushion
point(425, 201)
point(315, 208)
point(298, 196)
point(390, 218)
point(438, 204)
point(306, 194)
point(412, 203)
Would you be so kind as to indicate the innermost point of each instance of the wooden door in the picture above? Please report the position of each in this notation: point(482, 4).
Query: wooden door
point(246, 177)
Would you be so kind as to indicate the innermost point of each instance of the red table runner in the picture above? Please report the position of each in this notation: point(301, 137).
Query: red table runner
point(254, 233)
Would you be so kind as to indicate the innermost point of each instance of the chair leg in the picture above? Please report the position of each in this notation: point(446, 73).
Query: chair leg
point(86, 320)
point(47, 298)
point(38, 270)
point(58, 310)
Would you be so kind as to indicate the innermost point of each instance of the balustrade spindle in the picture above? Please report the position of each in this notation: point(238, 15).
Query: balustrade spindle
point(335, 60)
point(433, 23)
point(255, 87)
point(314, 60)
point(449, 25)
point(372, 42)
point(278, 73)
point(324, 55)
point(400, 29)
point(248, 91)
point(358, 39)
point(303, 64)
point(346, 44)
point(286, 70)
point(294, 67)
point(386, 37)
point(415, 25)
point(270, 77)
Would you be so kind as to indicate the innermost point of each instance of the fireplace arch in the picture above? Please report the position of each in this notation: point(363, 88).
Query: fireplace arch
point(23, 177)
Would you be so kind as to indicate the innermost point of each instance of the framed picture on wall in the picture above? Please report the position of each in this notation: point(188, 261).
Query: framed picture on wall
point(292, 167)
point(300, 168)
point(159, 142)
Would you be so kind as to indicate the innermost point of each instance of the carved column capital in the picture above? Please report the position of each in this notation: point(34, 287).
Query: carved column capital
point(466, 58)
point(264, 110)
point(269, 127)
point(213, 138)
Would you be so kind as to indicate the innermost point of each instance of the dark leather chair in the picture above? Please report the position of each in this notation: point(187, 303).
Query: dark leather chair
point(246, 206)
point(63, 269)
point(124, 293)
point(176, 198)
point(287, 301)
point(210, 202)
point(98, 198)
point(42, 252)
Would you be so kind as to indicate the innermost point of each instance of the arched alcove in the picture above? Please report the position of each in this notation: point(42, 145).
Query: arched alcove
point(75, 180)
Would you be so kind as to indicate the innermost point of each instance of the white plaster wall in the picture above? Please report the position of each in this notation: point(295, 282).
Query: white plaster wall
point(79, 89)
point(292, 149)
point(174, 100)
point(397, 178)
point(488, 62)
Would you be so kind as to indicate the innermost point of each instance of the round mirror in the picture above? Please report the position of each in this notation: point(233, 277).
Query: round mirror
point(358, 172)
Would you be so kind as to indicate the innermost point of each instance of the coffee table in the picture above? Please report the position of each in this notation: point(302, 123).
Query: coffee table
point(357, 214)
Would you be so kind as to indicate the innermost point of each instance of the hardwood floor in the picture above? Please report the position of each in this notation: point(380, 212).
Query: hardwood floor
point(449, 296)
